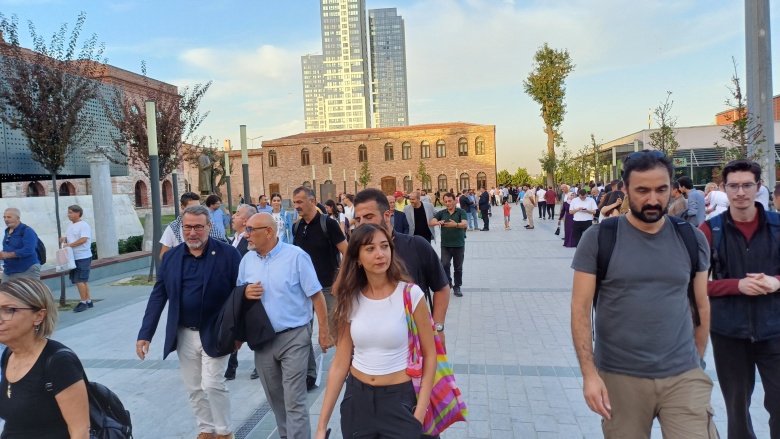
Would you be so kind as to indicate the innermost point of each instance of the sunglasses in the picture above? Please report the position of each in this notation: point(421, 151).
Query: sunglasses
point(640, 154)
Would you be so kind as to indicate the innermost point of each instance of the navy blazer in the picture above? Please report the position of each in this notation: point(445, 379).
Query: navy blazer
point(400, 222)
point(219, 280)
point(484, 201)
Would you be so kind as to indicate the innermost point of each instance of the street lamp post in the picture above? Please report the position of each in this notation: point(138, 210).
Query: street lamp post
point(262, 168)
point(227, 180)
point(245, 163)
point(154, 177)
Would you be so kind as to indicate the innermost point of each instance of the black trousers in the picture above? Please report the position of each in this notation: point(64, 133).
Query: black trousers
point(578, 228)
point(542, 209)
point(485, 219)
point(379, 412)
point(735, 363)
point(448, 254)
point(550, 210)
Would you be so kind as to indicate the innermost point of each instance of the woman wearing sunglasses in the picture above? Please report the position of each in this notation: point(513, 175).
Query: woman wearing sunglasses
point(373, 345)
point(38, 398)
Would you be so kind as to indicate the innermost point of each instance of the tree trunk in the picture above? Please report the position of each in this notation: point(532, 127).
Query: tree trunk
point(551, 152)
point(59, 230)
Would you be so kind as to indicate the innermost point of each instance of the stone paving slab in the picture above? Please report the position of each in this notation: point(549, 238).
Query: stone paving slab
point(508, 339)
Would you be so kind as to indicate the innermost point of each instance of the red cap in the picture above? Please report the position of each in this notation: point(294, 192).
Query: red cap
point(398, 194)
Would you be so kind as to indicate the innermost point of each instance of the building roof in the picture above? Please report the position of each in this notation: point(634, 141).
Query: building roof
point(324, 135)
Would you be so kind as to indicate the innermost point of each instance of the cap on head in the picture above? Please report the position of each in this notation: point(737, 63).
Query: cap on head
point(398, 194)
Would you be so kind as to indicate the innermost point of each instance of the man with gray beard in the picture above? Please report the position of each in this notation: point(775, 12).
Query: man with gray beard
point(195, 279)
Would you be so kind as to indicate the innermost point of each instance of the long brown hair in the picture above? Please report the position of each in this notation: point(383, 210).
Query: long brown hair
point(352, 279)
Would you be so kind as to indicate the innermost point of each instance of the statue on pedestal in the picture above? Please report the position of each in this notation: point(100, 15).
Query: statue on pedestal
point(205, 166)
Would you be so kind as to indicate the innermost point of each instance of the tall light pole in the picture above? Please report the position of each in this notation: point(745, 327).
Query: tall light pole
point(175, 180)
point(154, 177)
point(758, 60)
point(245, 163)
point(262, 168)
point(227, 180)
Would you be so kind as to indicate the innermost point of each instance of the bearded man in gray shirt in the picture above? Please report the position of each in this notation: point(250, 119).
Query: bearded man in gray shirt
point(645, 363)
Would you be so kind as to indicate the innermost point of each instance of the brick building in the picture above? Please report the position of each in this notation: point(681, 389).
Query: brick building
point(456, 156)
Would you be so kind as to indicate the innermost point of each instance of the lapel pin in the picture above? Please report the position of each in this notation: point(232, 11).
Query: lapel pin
point(213, 253)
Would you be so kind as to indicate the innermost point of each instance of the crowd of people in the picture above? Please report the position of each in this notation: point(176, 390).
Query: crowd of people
point(349, 262)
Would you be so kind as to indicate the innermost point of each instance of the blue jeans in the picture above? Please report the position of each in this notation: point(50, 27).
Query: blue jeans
point(472, 218)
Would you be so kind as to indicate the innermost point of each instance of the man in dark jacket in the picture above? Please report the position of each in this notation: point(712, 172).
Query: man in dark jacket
point(397, 217)
point(745, 303)
point(195, 280)
point(484, 208)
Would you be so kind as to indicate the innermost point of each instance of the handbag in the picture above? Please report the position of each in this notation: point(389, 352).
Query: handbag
point(446, 406)
point(65, 260)
point(558, 230)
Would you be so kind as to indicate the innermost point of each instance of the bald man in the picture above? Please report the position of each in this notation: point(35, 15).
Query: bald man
point(288, 296)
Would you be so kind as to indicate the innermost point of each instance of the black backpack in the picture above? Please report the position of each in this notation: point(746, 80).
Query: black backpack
point(108, 418)
point(40, 249)
point(608, 236)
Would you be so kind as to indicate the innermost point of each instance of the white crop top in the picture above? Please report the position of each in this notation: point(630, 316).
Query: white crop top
point(379, 332)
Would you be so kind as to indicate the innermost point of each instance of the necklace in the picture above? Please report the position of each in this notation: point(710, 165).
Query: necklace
point(8, 390)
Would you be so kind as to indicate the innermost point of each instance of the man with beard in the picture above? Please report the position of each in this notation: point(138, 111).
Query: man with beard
point(646, 359)
point(195, 280)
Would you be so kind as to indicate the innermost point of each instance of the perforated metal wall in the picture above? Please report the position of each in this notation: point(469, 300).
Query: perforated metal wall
point(16, 163)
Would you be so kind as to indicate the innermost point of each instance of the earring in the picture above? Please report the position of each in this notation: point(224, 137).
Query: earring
point(37, 328)
point(360, 265)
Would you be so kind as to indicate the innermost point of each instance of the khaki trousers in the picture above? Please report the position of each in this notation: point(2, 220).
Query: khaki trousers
point(529, 210)
point(681, 403)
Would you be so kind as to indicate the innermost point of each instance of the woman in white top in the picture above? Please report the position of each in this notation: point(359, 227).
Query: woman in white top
point(717, 201)
point(333, 212)
point(379, 400)
point(283, 218)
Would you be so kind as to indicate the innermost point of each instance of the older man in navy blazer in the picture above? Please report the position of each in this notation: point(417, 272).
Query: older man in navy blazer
point(195, 280)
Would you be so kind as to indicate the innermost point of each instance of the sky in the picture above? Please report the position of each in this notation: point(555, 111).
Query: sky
point(466, 60)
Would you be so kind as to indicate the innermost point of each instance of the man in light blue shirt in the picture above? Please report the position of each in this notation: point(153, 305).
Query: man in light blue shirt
point(282, 277)
point(263, 206)
point(218, 218)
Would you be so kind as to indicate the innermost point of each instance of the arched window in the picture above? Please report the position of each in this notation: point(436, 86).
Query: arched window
point(35, 189)
point(307, 184)
point(463, 147)
point(67, 189)
point(407, 184)
point(167, 192)
point(441, 149)
point(464, 181)
point(272, 159)
point(141, 197)
point(427, 184)
point(479, 146)
point(425, 149)
point(326, 158)
point(443, 183)
point(362, 153)
point(388, 151)
point(481, 180)
point(406, 151)
point(305, 157)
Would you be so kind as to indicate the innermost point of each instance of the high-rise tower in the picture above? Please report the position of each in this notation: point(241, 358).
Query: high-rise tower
point(388, 68)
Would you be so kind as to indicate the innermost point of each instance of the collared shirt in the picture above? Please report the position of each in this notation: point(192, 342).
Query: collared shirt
point(236, 239)
point(191, 300)
point(218, 223)
point(267, 209)
point(24, 242)
point(288, 279)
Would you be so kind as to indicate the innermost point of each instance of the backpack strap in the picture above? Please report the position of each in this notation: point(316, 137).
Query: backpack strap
point(685, 231)
point(716, 230)
point(607, 238)
point(63, 351)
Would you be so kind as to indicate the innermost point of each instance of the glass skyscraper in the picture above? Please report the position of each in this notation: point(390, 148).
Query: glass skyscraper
point(388, 68)
point(337, 89)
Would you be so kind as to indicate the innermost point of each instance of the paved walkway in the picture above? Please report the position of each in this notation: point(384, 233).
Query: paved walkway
point(508, 339)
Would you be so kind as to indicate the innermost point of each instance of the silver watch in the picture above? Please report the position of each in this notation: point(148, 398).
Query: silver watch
point(439, 326)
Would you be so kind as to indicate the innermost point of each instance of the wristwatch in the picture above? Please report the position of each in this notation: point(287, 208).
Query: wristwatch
point(439, 326)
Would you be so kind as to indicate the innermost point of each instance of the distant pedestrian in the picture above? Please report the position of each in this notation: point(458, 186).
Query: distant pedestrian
point(567, 218)
point(397, 218)
point(453, 223)
point(696, 213)
point(263, 206)
point(195, 280)
point(484, 208)
point(507, 210)
point(583, 208)
point(418, 214)
point(20, 244)
point(550, 198)
point(284, 219)
point(541, 202)
point(529, 202)
point(646, 360)
point(240, 199)
point(219, 220)
point(78, 236)
point(466, 204)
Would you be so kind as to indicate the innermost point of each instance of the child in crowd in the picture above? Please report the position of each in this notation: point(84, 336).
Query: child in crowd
point(507, 208)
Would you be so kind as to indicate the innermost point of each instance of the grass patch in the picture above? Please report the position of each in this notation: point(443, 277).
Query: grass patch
point(166, 219)
point(134, 281)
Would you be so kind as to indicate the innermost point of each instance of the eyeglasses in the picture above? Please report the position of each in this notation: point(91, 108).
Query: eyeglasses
point(248, 230)
point(640, 154)
point(734, 187)
point(198, 228)
point(6, 313)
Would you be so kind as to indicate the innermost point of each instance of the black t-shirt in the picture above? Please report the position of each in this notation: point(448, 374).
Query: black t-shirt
point(323, 252)
point(421, 262)
point(421, 223)
point(32, 411)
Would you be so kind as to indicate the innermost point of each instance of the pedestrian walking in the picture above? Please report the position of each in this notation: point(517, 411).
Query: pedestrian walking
point(453, 223)
point(78, 236)
point(20, 248)
point(529, 202)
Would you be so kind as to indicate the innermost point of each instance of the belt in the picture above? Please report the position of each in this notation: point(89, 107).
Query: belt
point(288, 330)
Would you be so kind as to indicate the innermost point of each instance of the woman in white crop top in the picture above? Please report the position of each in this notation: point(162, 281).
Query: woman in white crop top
point(379, 400)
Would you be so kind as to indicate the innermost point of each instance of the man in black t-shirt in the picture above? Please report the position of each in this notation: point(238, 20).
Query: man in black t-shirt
point(419, 213)
point(322, 248)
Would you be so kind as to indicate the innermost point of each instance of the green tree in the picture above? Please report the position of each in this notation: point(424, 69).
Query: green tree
point(422, 174)
point(521, 177)
point(365, 175)
point(567, 170)
point(45, 91)
point(744, 129)
point(664, 139)
point(594, 156)
point(504, 178)
point(546, 85)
